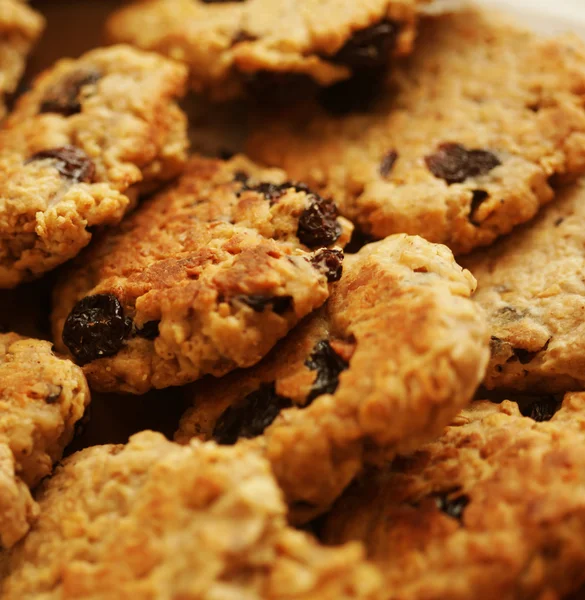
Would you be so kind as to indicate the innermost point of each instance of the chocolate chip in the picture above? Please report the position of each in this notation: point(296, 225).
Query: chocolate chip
point(54, 394)
point(95, 328)
point(357, 94)
point(453, 507)
point(318, 225)
point(71, 163)
point(257, 302)
point(250, 417)
point(455, 163)
point(149, 330)
point(542, 409)
point(328, 365)
point(63, 97)
point(388, 162)
point(330, 263)
point(477, 199)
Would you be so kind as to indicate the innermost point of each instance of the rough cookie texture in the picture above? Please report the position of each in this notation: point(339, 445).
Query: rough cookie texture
point(396, 352)
point(493, 509)
point(42, 397)
point(461, 146)
point(532, 286)
point(154, 519)
point(229, 46)
point(77, 149)
point(203, 278)
point(20, 27)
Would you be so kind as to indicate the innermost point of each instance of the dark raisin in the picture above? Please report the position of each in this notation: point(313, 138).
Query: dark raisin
point(149, 330)
point(95, 328)
point(250, 417)
point(54, 394)
point(455, 163)
point(477, 199)
point(330, 263)
point(63, 97)
point(388, 162)
point(257, 302)
point(542, 409)
point(370, 47)
point(318, 225)
point(357, 94)
point(453, 507)
point(71, 162)
point(328, 365)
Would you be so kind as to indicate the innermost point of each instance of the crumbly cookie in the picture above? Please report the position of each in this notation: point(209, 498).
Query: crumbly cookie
point(493, 509)
point(77, 149)
point(461, 145)
point(532, 287)
point(229, 46)
point(42, 397)
point(154, 519)
point(396, 352)
point(203, 278)
point(20, 27)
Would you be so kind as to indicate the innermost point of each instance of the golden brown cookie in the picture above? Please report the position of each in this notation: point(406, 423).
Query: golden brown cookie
point(396, 352)
point(154, 519)
point(77, 149)
point(203, 278)
point(461, 144)
point(493, 509)
point(42, 397)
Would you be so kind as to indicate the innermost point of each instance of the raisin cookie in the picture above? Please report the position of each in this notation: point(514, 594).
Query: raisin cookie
point(461, 145)
point(231, 46)
point(493, 509)
point(203, 278)
point(42, 397)
point(20, 27)
point(77, 149)
point(153, 519)
point(396, 352)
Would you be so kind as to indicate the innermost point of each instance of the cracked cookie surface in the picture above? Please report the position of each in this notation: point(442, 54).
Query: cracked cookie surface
point(77, 149)
point(397, 350)
point(461, 145)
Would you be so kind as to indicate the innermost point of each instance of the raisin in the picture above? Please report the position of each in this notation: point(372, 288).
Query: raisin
point(330, 263)
point(328, 365)
point(370, 47)
point(71, 163)
point(477, 199)
point(357, 94)
point(455, 163)
point(54, 394)
point(453, 507)
point(95, 328)
point(250, 417)
point(257, 302)
point(149, 330)
point(318, 225)
point(542, 409)
point(63, 97)
point(388, 163)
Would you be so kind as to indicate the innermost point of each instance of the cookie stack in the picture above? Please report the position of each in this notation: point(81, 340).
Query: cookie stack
point(361, 323)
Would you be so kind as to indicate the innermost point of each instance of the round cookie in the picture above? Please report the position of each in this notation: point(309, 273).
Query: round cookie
point(203, 278)
point(78, 148)
point(461, 145)
point(153, 519)
point(495, 508)
point(398, 349)
point(42, 397)
point(260, 44)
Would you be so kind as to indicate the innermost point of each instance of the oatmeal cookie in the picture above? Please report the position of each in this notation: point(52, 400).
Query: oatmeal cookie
point(396, 352)
point(77, 149)
point(462, 143)
point(154, 519)
point(42, 397)
point(493, 509)
point(203, 278)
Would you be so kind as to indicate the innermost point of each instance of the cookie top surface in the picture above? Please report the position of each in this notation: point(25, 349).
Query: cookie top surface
point(228, 44)
point(493, 509)
point(42, 397)
point(461, 143)
point(532, 287)
point(154, 519)
point(397, 350)
point(60, 173)
point(208, 275)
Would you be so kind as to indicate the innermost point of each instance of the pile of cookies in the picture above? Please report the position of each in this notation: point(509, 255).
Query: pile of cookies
point(371, 311)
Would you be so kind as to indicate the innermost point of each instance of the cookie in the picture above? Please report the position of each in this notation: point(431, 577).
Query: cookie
point(153, 519)
point(493, 509)
point(396, 352)
point(532, 287)
point(203, 278)
point(233, 47)
point(20, 27)
point(42, 397)
point(461, 144)
point(78, 148)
